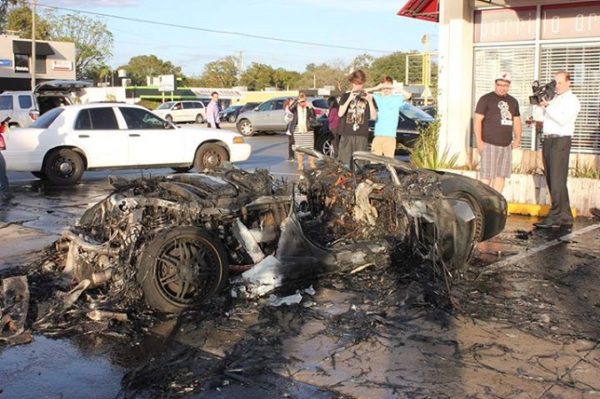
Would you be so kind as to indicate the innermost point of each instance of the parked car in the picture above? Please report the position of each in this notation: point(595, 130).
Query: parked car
point(407, 132)
point(66, 141)
point(24, 107)
point(182, 111)
point(269, 116)
point(230, 113)
point(430, 109)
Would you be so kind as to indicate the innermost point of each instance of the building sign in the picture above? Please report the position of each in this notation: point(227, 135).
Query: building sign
point(569, 21)
point(5, 63)
point(166, 83)
point(62, 65)
point(505, 25)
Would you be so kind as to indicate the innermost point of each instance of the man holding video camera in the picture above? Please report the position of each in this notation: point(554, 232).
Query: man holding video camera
point(560, 113)
point(497, 118)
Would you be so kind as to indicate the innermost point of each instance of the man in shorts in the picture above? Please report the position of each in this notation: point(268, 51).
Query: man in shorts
point(498, 132)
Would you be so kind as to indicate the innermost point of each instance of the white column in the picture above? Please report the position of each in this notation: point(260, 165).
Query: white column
point(455, 85)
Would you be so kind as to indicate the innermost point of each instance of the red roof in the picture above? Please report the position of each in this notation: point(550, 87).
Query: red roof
point(421, 9)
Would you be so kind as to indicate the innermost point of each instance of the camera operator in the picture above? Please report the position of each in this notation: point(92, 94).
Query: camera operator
point(559, 125)
point(356, 109)
point(497, 118)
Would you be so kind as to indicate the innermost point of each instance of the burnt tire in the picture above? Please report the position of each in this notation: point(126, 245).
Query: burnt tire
point(478, 224)
point(324, 144)
point(210, 156)
point(180, 267)
point(39, 175)
point(182, 169)
point(244, 126)
point(63, 167)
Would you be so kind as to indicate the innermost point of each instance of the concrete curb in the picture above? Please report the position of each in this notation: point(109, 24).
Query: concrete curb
point(532, 209)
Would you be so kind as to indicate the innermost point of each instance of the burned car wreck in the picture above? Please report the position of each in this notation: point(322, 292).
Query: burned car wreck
point(177, 240)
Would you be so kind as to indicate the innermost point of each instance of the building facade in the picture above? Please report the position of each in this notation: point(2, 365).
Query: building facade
point(528, 38)
point(53, 60)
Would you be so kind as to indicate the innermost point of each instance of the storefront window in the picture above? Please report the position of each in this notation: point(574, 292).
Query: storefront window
point(489, 62)
point(21, 63)
point(583, 63)
point(568, 39)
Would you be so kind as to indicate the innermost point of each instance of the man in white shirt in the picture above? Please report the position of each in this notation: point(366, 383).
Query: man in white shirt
point(559, 125)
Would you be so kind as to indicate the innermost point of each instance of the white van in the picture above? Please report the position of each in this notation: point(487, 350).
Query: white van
point(182, 111)
point(24, 107)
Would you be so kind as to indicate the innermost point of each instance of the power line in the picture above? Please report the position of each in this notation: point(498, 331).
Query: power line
point(223, 32)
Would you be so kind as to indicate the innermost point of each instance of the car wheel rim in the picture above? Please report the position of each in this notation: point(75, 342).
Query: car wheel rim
point(328, 148)
point(186, 270)
point(64, 167)
point(212, 159)
point(246, 128)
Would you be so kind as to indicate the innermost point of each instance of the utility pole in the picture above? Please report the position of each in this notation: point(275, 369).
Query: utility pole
point(33, 57)
point(425, 71)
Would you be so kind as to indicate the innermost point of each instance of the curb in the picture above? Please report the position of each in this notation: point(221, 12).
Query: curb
point(532, 209)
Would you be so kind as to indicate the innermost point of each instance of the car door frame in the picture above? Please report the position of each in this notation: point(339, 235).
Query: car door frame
point(151, 147)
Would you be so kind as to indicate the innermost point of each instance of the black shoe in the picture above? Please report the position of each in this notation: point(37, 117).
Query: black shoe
point(547, 224)
point(595, 212)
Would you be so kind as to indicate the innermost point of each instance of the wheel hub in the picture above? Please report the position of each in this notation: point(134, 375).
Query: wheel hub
point(65, 167)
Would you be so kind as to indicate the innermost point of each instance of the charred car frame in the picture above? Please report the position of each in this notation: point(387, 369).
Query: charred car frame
point(179, 238)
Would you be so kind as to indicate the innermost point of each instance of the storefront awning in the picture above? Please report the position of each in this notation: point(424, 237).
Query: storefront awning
point(421, 9)
point(23, 47)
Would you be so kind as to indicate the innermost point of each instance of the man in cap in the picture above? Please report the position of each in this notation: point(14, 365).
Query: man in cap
point(498, 130)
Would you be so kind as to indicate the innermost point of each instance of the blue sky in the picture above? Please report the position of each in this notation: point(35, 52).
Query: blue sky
point(364, 24)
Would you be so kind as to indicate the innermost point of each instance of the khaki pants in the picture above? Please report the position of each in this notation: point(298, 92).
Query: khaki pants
point(384, 145)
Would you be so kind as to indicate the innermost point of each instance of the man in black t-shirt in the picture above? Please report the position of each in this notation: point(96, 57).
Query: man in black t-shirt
point(497, 118)
point(356, 109)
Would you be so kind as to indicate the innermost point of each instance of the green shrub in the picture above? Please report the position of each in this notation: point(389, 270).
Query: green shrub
point(425, 153)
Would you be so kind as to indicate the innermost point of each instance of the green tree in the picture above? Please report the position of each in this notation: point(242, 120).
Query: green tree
point(393, 65)
point(221, 73)
point(148, 65)
point(323, 75)
point(93, 41)
point(4, 6)
point(258, 76)
point(19, 20)
point(362, 62)
point(100, 73)
point(285, 80)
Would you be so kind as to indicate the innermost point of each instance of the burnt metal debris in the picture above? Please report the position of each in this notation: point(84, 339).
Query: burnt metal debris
point(367, 233)
point(175, 240)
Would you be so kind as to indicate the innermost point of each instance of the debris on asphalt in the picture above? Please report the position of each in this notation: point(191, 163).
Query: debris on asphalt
point(14, 310)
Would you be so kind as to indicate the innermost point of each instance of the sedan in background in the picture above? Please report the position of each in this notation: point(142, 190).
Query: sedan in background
point(66, 141)
point(230, 113)
point(269, 116)
point(407, 132)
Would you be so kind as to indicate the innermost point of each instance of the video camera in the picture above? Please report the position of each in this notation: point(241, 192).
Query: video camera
point(542, 93)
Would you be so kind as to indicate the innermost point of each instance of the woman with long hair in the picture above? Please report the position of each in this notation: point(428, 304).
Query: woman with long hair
point(301, 129)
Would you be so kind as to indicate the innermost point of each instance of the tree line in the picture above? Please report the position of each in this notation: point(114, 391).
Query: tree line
point(94, 43)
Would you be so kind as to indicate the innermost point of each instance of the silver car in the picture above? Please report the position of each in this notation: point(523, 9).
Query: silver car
point(269, 116)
